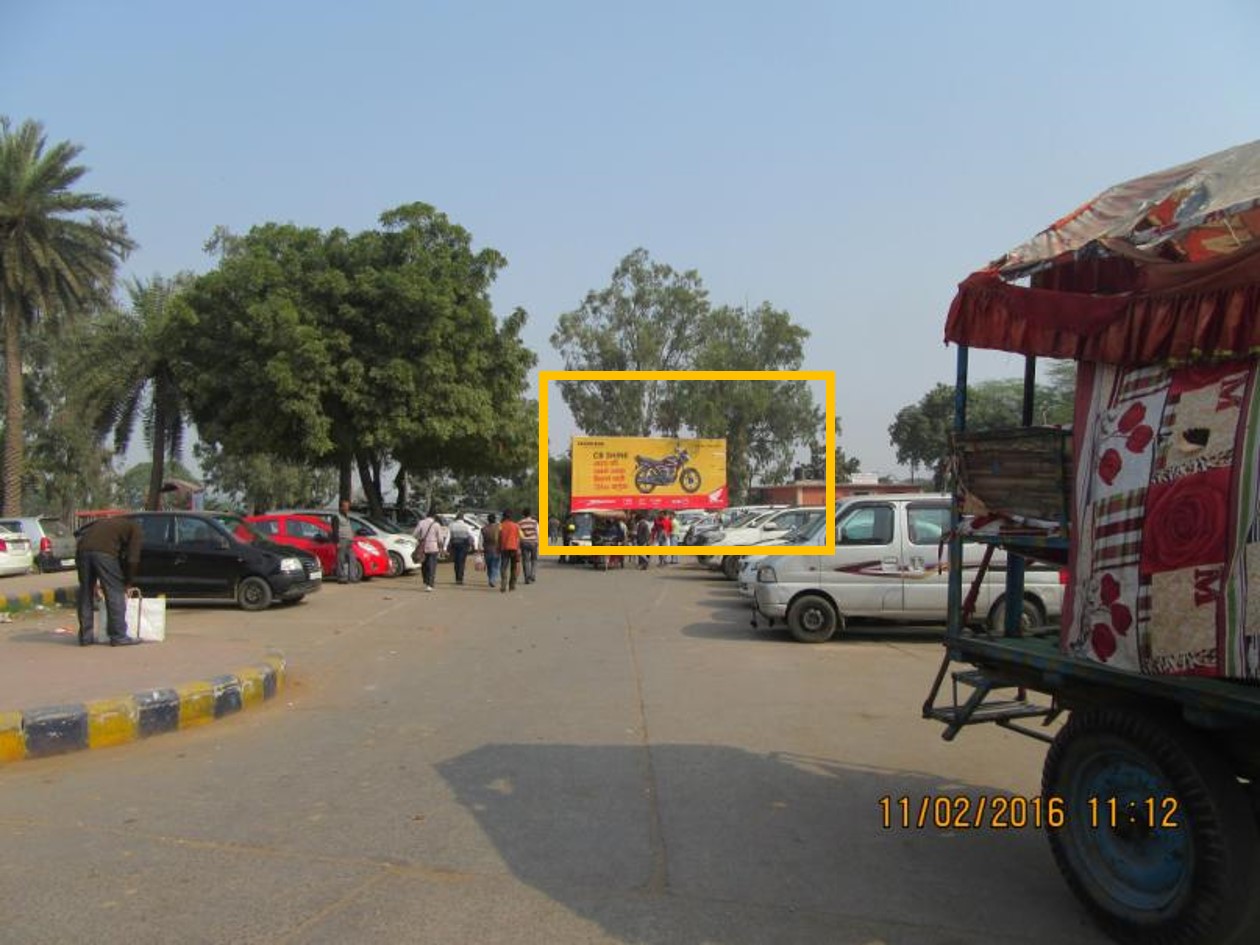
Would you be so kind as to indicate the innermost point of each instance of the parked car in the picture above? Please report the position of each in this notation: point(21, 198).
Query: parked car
point(770, 525)
point(889, 563)
point(16, 556)
point(202, 555)
point(51, 540)
point(312, 532)
point(398, 544)
point(810, 533)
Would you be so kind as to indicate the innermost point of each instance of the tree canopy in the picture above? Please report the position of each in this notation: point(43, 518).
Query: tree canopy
point(339, 350)
point(58, 251)
point(653, 318)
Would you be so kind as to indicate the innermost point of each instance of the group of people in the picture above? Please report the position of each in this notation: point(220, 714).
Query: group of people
point(644, 529)
point(507, 544)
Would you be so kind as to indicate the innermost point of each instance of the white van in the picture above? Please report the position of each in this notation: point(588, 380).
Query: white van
point(890, 562)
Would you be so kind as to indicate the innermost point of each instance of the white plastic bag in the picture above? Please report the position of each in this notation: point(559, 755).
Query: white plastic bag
point(146, 618)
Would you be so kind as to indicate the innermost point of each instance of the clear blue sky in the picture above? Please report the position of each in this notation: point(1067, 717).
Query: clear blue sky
point(848, 163)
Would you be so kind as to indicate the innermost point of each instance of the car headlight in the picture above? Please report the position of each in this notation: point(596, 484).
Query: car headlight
point(766, 575)
point(291, 565)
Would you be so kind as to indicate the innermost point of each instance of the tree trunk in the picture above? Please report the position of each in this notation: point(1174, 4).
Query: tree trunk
point(13, 433)
point(157, 470)
point(400, 487)
point(369, 478)
point(343, 477)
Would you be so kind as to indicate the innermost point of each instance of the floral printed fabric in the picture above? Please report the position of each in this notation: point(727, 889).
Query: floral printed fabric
point(1166, 552)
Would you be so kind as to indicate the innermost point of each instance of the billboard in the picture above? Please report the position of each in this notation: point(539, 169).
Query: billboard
point(639, 472)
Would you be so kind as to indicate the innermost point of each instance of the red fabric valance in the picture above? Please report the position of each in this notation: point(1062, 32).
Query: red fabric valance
point(1177, 312)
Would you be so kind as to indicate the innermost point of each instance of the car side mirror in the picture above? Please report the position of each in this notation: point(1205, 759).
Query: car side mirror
point(771, 527)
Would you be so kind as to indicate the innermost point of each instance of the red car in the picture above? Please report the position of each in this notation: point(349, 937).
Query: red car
point(314, 533)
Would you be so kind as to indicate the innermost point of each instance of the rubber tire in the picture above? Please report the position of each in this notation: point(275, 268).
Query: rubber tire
point(1216, 902)
point(689, 479)
point(1033, 617)
point(356, 571)
point(397, 566)
point(253, 593)
point(812, 619)
point(643, 484)
point(730, 567)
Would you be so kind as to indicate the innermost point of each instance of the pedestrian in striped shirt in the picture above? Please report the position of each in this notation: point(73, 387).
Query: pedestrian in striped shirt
point(529, 545)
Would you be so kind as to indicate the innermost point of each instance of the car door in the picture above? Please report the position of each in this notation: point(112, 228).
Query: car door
point(206, 561)
point(312, 538)
point(153, 576)
point(864, 575)
point(925, 558)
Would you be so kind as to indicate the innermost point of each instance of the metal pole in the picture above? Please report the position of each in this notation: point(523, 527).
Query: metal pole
point(954, 630)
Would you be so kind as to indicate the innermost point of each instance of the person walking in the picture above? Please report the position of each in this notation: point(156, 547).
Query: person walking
point(428, 532)
point(509, 552)
point(490, 548)
point(643, 537)
point(529, 546)
point(347, 572)
point(660, 532)
point(107, 555)
point(462, 543)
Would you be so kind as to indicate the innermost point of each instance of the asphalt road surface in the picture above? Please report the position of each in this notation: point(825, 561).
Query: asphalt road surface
point(600, 757)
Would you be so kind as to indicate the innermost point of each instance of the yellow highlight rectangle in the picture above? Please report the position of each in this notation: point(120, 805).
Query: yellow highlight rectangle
point(12, 742)
point(196, 704)
point(827, 377)
point(112, 722)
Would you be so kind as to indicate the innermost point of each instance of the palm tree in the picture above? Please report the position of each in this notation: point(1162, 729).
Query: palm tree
point(130, 370)
point(54, 261)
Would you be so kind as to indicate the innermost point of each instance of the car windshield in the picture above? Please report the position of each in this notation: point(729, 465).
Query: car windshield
point(241, 529)
point(385, 526)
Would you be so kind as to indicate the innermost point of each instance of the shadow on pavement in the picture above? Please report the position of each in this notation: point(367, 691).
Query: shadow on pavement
point(683, 843)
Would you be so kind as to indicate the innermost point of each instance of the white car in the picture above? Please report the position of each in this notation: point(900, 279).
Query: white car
point(398, 545)
point(16, 556)
point(810, 534)
point(773, 525)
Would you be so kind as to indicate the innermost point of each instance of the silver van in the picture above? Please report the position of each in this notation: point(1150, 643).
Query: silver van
point(891, 562)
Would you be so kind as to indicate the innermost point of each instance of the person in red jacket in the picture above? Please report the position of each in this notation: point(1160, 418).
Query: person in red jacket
point(509, 552)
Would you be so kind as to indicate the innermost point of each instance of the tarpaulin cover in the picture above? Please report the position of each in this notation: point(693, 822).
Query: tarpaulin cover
point(1165, 558)
point(1165, 268)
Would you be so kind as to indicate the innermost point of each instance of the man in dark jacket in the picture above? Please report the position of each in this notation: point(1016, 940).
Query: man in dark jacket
point(108, 552)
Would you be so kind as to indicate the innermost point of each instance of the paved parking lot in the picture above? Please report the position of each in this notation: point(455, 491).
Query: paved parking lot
point(600, 757)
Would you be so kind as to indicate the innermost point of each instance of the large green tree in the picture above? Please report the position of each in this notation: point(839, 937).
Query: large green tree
point(58, 252)
point(648, 318)
point(764, 423)
point(653, 318)
point(339, 350)
point(131, 374)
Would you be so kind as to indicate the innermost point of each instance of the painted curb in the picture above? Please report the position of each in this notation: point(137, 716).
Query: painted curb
point(103, 723)
point(67, 596)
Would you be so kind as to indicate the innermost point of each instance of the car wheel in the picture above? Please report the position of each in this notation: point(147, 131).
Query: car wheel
point(356, 570)
point(812, 619)
point(1029, 620)
point(396, 564)
point(253, 593)
point(730, 567)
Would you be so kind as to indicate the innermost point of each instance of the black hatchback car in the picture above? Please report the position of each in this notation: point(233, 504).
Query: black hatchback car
point(205, 555)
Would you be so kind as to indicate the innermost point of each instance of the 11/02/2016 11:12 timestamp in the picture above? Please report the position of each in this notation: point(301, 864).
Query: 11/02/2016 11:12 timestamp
point(1010, 812)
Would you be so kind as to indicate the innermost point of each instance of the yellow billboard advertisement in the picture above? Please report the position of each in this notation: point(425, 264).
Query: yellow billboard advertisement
point(639, 472)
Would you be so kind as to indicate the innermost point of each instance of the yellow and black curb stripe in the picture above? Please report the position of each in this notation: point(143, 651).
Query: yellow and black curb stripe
point(58, 729)
point(51, 598)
